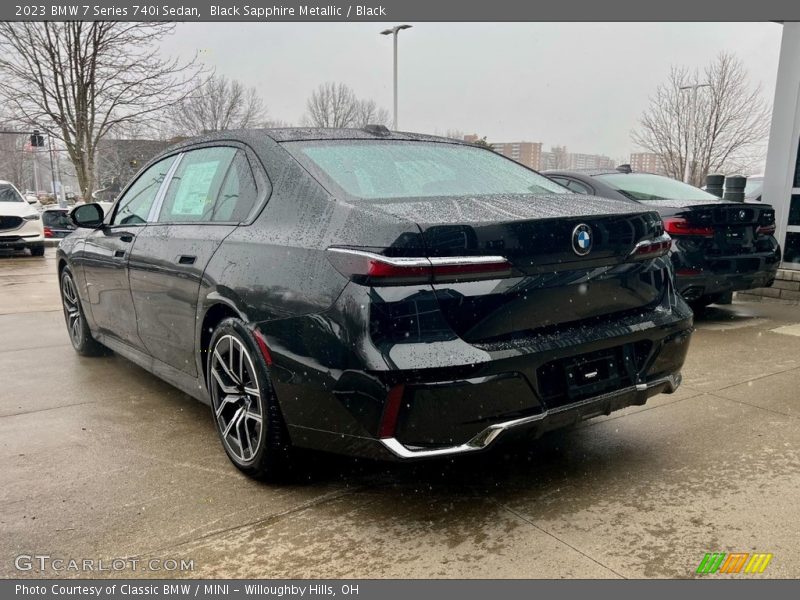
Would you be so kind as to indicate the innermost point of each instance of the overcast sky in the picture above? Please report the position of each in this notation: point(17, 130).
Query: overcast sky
point(579, 84)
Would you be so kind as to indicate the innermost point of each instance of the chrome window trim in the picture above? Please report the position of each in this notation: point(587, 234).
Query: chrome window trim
point(155, 210)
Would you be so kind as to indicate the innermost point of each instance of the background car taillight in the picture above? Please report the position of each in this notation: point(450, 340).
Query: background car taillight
point(376, 269)
point(766, 223)
point(680, 226)
point(766, 229)
point(48, 232)
point(652, 248)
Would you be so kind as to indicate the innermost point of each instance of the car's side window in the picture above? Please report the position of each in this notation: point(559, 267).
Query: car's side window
point(578, 187)
point(238, 193)
point(195, 185)
point(135, 204)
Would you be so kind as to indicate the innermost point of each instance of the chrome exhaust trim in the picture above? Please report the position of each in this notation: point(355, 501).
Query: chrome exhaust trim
point(489, 435)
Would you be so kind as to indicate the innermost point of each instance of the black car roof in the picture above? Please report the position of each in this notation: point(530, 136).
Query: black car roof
point(297, 134)
point(258, 137)
point(586, 172)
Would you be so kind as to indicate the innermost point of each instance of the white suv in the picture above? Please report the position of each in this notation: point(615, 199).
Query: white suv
point(20, 223)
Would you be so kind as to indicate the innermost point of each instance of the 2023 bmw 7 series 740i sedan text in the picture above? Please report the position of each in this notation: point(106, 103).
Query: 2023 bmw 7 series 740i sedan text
point(382, 294)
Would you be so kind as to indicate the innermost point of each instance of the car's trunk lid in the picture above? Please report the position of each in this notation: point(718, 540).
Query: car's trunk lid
point(554, 281)
point(729, 228)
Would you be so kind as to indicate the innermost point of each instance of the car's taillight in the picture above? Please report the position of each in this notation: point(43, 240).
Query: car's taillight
point(376, 269)
point(48, 232)
point(766, 229)
point(680, 226)
point(652, 248)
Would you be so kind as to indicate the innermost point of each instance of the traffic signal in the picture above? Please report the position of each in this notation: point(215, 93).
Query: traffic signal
point(37, 139)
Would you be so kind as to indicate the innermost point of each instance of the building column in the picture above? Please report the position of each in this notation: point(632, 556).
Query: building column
point(782, 160)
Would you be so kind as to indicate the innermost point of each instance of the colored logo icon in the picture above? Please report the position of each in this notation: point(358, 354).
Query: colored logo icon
point(735, 562)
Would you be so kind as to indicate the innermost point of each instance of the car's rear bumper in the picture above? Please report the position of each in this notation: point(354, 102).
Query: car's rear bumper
point(715, 275)
point(547, 420)
point(342, 392)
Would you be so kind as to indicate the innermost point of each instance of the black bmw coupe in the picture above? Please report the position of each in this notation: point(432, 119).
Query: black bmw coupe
point(382, 294)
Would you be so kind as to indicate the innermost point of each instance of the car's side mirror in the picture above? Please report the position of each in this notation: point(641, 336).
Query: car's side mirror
point(31, 199)
point(87, 215)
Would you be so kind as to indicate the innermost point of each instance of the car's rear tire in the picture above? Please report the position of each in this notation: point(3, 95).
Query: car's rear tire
point(245, 409)
point(37, 250)
point(77, 328)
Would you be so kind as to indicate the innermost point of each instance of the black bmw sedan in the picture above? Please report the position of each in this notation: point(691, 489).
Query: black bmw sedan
point(719, 247)
point(382, 294)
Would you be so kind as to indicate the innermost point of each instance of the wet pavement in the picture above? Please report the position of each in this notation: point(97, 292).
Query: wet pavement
point(102, 460)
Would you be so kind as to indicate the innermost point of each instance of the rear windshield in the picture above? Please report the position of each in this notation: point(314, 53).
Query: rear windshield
point(644, 187)
point(391, 169)
point(753, 186)
point(56, 218)
point(9, 194)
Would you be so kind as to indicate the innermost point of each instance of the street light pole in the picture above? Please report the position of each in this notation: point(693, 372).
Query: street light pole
point(693, 130)
point(393, 32)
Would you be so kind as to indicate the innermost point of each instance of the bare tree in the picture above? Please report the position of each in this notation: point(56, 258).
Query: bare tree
point(217, 105)
point(561, 159)
point(369, 113)
point(731, 121)
point(336, 105)
point(277, 123)
point(332, 105)
point(13, 160)
point(80, 80)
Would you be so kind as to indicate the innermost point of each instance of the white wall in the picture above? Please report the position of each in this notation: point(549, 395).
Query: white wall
point(784, 134)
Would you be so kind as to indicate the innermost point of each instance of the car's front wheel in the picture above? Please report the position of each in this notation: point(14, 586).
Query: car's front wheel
point(77, 328)
point(245, 409)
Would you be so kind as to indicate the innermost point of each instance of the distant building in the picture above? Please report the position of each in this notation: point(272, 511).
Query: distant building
point(590, 161)
point(647, 162)
point(471, 138)
point(526, 153)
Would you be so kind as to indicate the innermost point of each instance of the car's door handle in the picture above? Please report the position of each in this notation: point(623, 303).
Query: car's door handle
point(126, 237)
point(186, 259)
point(119, 253)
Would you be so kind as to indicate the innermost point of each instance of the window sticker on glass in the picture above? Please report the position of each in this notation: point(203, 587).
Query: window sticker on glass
point(193, 194)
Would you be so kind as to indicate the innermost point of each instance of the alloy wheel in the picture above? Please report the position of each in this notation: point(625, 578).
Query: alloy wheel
point(236, 398)
point(72, 309)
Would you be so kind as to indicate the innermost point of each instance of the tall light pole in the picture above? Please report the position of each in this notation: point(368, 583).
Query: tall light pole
point(394, 31)
point(692, 129)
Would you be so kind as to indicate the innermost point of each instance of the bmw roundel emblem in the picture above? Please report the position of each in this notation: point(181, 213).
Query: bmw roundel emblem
point(582, 239)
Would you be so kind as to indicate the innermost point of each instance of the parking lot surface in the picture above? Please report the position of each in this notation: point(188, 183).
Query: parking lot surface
point(102, 460)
